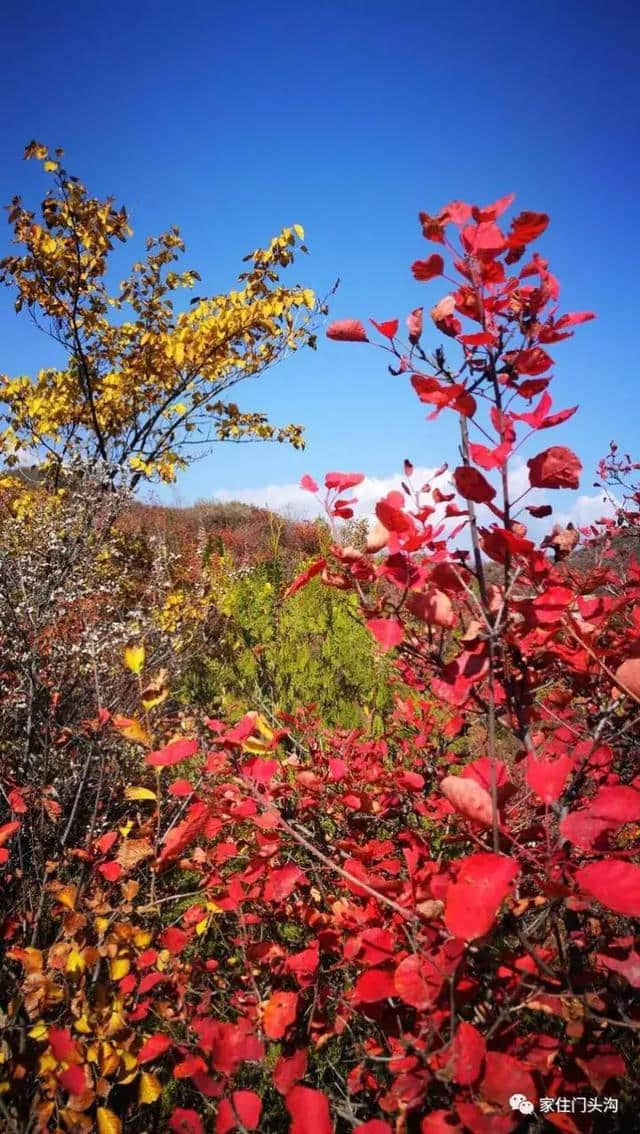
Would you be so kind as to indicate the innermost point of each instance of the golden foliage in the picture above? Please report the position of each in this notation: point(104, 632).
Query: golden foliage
point(136, 392)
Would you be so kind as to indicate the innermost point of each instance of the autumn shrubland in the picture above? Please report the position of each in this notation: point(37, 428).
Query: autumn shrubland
point(309, 826)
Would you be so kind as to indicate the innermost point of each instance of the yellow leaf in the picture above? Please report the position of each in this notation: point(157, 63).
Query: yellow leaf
point(149, 1088)
point(255, 747)
point(201, 927)
point(50, 166)
point(130, 1061)
point(119, 967)
point(82, 1025)
point(133, 730)
point(75, 962)
point(299, 231)
point(139, 793)
point(66, 895)
point(39, 1031)
point(108, 1122)
point(134, 658)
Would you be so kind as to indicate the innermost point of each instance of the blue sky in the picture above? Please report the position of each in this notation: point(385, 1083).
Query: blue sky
point(234, 120)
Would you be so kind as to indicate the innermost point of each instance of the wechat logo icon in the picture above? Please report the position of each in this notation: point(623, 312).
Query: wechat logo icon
point(521, 1103)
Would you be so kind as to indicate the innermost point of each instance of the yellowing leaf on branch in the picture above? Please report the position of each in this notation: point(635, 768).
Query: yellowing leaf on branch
point(119, 967)
point(133, 730)
point(139, 793)
point(75, 963)
point(108, 1122)
point(155, 691)
point(149, 1088)
point(134, 658)
point(66, 895)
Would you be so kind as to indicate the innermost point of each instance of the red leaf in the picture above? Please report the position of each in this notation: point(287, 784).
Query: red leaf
point(110, 870)
point(181, 788)
point(343, 480)
point(434, 608)
point(154, 1047)
point(539, 510)
point(582, 829)
point(62, 1046)
point(548, 777)
point(476, 1122)
point(469, 799)
point(388, 329)
point(174, 939)
point(628, 674)
point(489, 458)
point(282, 881)
point(372, 985)
point(527, 226)
point(308, 483)
point(472, 485)
point(469, 1050)
point(347, 331)
point(480, 770)
point(192, 1065)
point(309, 1110)
point(492, 212)
point(387, 631)
point(302, 579)
point(505, 1076)
point(617, 804)
point(629, 968)
point(484, 239)
point(394, 519)
point(533, 361)
point(440, 1122)
point(549, 607)
point(572, 318)
point(473, 901)
point(172, 753)
point(242, 1110)
point(279, 1013)
point(456, 211)
point(373, 1126)
point(180, 836)
point(106, 841)
point(428, 269)
point(418, 981)
point(556, 467)
point(613, 883)
point(73, 1080)
point(184, 1121)
point(289, 1069)
point(479, 338)
point(7, 831)
point(603, 1067)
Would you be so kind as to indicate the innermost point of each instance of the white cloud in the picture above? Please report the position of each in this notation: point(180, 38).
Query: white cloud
point(586, 510)
point(292, 501)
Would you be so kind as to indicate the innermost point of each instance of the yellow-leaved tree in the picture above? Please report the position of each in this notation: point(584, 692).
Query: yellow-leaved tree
point(144, 384)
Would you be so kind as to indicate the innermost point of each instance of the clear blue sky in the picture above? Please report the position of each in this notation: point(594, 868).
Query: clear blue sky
point(349, 117)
